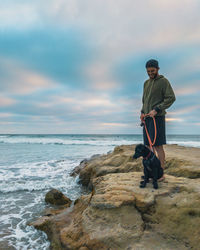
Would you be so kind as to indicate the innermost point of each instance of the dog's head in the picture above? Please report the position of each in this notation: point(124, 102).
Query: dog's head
point(140, 150)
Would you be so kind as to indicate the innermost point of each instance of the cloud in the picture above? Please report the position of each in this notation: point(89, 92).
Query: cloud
point(80, 102)
point(99, 75)
point(185, 110)
point(104, 85)
point(18, 15)
point(59, 55)
point(5, 115)
point(7, 123)
point(17, 79)
point(145, 25)
point(187, 90)
point(64, 55)
point(72, 62)
point(6, 101)
point(116, 26)
point(114, 124)
point(94, 104)
point(174, 119)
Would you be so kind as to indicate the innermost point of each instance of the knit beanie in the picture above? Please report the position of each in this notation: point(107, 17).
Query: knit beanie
point(152, 63)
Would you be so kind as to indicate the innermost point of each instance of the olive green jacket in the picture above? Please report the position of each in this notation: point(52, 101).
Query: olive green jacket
point(158, 95)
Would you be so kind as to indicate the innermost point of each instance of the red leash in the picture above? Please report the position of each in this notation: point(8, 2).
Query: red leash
point(149, 139)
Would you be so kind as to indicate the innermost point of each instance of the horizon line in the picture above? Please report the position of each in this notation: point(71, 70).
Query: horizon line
point(82, 134)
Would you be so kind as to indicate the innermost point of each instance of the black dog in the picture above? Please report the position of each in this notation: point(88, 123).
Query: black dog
point(152, 166)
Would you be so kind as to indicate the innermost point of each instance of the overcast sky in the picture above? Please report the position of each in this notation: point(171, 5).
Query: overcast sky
point(78, 66)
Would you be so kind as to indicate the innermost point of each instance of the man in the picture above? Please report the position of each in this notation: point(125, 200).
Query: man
point(158, 95)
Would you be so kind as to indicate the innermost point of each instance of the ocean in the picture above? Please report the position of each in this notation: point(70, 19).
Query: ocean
point(30, 165)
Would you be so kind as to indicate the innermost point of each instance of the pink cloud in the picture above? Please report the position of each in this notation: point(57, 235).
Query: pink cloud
point(112, 124)
point(174, 119)
point(184, 110)
point(187, 90)
point(6, 101)
point(22, 81)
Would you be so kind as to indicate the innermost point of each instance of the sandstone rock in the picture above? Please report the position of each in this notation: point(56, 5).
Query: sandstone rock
point(40, 223)
point(119, 161)
point(83, 164)
point(183, 161)
point(178, 216)
point(172, 212)
point(78, 168)
point(55, 197)
point(52, 226)
point(183, 168)
point(180, 162)
point(118, 215)
point(115, 227)
point(83, 248)
point(156, 241)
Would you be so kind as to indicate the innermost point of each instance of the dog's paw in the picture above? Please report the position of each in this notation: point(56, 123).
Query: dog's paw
point(147, 181)
point(143, 185)
point(155, 185)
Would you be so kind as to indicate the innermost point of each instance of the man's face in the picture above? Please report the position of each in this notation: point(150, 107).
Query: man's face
point(152, 72)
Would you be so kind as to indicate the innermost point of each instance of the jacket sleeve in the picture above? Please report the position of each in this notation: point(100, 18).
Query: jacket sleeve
point(142, 110)
point(169, 97)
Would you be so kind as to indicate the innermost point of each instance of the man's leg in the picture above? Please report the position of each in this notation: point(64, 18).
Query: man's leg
point(161, 155)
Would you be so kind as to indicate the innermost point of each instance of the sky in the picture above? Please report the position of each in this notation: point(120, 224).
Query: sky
point(78, 67)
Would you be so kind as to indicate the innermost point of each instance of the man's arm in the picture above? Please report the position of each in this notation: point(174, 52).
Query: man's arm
point(142, 110)
point(169, 98)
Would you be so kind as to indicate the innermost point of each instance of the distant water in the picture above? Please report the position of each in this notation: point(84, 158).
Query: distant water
point(32, 164)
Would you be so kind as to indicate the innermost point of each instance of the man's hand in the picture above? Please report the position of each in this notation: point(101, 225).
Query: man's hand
point(142, 117)
point(152, 113)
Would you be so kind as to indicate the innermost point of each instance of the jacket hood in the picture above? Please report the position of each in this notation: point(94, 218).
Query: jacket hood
point(158, 77)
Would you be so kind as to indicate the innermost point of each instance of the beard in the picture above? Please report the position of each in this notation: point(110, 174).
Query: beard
point(154, 76)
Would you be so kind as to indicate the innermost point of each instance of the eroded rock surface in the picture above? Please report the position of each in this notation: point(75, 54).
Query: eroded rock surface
point(117, 214)
point(55, 197)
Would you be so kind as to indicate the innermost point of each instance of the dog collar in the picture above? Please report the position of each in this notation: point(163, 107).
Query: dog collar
point(145, 158)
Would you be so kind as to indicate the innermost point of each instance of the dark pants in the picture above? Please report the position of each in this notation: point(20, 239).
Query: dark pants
point(161, 134)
